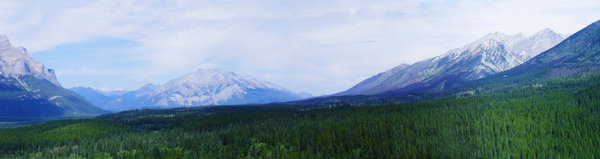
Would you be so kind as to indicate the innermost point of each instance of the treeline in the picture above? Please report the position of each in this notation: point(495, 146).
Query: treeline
point(557, 118)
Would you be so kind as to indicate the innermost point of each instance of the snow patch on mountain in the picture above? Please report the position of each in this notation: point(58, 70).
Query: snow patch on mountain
point(493, 53)
point(201, 88)
point(207, 87)
point(537, 43)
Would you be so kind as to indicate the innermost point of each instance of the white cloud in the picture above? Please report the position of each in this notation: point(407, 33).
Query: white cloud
point(181, 49)
point(91, 71)
point(315, 46)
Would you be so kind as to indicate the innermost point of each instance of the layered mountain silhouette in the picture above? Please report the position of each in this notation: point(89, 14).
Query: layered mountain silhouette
point(200, 88)
point(30, 91)
point(495, 52)
point(576, 55)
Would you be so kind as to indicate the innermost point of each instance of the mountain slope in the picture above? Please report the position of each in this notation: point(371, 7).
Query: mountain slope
point(203, 87)
point(28, 98)
point(491, 54)
point(30, 91)
point(576, 55)
point(537, 43)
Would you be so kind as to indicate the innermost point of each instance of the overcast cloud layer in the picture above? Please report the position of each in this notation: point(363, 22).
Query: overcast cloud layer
point(316, 46)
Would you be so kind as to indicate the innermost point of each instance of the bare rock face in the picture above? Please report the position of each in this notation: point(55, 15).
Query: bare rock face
point(30, 91)
point(16, 62)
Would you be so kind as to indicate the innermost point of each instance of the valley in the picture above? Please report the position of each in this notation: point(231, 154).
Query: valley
point(535, 119)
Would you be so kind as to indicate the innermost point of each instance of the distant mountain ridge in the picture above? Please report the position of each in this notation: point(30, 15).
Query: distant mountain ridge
point(200, 88)
point(578, 54)
point(96, 97)
point(493, 53)
point(30, 91)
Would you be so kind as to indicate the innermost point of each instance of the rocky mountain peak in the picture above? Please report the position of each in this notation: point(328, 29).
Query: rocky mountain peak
point(546, 34)
point(492, 53)
point(4, 43)
point(536, 43)
point(16, 62)
point(499, 36)
point(201, 88)
point(219, 78)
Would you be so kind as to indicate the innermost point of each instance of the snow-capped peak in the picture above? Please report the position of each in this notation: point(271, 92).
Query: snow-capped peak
point(499, 36)
point(4, 43)
point(493, 53)
point(524, 46)
point(493, 39)
point(215, 77)
point(203, 87)
point(545, 31)
point(109, 91)
point(15, 62)
point(545, 34)
point(537, 43)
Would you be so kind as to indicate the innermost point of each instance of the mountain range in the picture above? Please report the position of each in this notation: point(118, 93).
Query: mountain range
point(579, 54)
point(199, 88)
point(493, 53)
point(30, 91)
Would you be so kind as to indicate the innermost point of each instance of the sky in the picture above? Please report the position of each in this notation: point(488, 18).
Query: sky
point(315, 46)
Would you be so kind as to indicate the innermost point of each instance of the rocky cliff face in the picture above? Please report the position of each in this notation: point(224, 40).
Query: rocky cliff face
point(16, 62)
point(30, 91)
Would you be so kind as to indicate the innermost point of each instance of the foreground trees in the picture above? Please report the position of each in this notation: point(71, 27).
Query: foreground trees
point(544, 119)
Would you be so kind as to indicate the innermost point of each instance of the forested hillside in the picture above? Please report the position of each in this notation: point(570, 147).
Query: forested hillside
point(557, 118)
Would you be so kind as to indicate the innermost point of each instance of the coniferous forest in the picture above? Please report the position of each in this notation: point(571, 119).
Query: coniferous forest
point(557, 118)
